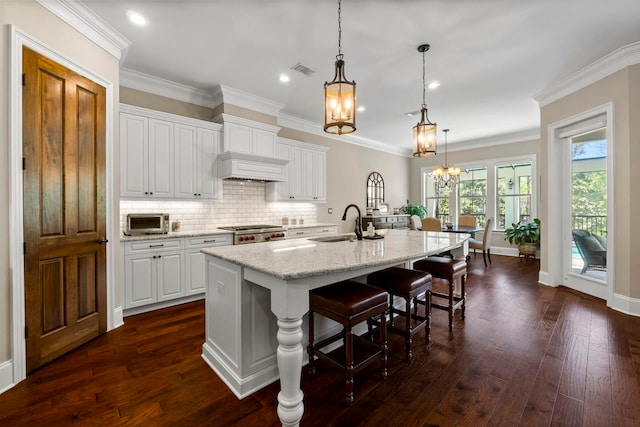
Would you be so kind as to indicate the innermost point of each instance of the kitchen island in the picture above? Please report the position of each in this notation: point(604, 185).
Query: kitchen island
point(245, 284)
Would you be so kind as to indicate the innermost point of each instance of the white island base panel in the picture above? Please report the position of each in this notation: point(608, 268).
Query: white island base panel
point(250, 286)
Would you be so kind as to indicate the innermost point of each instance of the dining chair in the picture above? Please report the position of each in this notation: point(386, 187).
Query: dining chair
point(485, 244)
point(415, 222)
point(467, 221)
point(431, 224)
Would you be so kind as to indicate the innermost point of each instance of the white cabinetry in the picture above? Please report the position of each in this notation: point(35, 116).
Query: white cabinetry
point(154, 271)
point(306, 173)
point(196, 277)
point(195, 163)
point(167, 156)
point(298, 233)
point(146, 159)
point(158, 271)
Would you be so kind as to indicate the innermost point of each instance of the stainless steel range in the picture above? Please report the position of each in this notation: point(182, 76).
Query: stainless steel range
point(243, 234)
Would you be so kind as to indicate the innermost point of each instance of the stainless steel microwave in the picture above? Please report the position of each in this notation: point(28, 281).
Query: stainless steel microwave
point(147, 224)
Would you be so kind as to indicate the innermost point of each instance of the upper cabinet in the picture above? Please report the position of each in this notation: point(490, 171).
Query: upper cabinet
point(306, 173)
point(167, 156)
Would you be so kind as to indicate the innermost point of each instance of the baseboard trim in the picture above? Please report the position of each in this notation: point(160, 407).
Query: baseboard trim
point(6, 376)
point(164, 304)
point(626, 305)
point(118, 318)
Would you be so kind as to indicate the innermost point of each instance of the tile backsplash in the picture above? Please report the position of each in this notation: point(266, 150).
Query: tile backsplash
point(244, 203)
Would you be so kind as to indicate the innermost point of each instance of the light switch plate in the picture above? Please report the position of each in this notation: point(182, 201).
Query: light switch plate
point(330, 210)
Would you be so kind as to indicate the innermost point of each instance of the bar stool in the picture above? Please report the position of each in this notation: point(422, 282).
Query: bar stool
point(407, 284)
point(449, 270)
point(349, 303)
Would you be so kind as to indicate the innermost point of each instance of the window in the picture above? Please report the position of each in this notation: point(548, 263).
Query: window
point(513, 193)
point(472, 194)
point(504, 189)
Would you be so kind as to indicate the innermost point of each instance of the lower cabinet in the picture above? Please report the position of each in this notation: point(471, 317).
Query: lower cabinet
point(160, 270)
point(299, 233)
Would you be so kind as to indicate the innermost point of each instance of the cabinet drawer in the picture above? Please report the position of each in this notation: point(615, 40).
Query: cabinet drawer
point(299, 233)
point(152, 245)
point(209, 241)
point(325, 230)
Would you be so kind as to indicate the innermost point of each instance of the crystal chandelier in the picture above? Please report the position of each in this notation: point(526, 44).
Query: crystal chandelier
point(339, 95)
point(424, 133)
point(447, 175)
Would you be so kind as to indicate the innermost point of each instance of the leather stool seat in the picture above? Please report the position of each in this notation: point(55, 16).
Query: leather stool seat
point(349, 303)
point(450, 270)
point(409, 285)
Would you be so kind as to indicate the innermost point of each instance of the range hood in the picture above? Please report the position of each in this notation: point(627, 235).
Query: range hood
point(234, 165)
point(249, 150)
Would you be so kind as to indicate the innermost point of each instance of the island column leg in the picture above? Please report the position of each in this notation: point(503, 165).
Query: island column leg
point(289, 355)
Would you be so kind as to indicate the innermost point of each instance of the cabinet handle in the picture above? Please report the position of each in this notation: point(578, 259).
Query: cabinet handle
point(146, 192)
point(209, 241)
point(151, 193)
point(157, 246)
point(300, 232)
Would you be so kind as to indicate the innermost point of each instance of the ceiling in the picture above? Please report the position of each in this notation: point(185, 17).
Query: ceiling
point(491, 57)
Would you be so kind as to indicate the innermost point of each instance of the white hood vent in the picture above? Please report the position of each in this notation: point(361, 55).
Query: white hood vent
point(251, 166)
point(249, 150)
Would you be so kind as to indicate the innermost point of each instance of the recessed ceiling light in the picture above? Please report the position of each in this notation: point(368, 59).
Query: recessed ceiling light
point(136, 18)
point(434, 85)
point(284, 78)
point(361, 108)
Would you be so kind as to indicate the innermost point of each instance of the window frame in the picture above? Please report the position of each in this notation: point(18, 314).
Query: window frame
point(491, 208)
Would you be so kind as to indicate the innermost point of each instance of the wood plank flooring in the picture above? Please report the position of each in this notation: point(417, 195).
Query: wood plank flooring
point(526, 354)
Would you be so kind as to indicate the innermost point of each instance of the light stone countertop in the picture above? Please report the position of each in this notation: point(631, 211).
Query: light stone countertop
point(299, 258)
point(174, 235)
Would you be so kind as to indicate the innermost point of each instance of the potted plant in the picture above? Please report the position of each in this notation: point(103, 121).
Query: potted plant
point(524, 234)
point(411, 209)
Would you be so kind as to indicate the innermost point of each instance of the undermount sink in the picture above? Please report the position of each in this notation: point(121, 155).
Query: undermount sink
point(340, 238)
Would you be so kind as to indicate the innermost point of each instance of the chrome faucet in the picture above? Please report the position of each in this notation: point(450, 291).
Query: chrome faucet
point(358, 229)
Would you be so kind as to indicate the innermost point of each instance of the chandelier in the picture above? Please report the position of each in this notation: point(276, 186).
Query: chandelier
point(339, 95)
point(424, 133)
point(447, 175)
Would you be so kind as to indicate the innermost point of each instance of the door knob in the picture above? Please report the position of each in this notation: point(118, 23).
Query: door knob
point(102, 240)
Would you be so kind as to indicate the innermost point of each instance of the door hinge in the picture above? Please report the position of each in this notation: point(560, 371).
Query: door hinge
point(24, 248)
point(26, 332)
point(24, 79)
point(24, 163)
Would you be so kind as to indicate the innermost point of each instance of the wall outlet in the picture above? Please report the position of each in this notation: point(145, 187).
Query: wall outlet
point(330, 210)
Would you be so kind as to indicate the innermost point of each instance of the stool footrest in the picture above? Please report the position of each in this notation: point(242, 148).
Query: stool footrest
point(364, 351)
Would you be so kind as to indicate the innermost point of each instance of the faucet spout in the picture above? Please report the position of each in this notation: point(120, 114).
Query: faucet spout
point(358, 229)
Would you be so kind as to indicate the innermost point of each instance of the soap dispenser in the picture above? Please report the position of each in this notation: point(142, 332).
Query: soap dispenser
point(371, 231)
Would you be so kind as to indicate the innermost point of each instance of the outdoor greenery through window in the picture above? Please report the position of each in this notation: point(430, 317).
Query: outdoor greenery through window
point(502, 188)
point(513, 194)
point(472, 194)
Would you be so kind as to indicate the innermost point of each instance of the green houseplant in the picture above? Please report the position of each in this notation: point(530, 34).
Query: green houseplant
point(411, 209)
point(524, 234)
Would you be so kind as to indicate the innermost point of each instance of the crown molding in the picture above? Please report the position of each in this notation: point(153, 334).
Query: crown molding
point(526, 135)
point(83, 19)
point(615, 61)
point(158, 86)
point(296, 123)
point(229, 95)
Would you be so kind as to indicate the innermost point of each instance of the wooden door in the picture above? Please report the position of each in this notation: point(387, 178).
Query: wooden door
point(64, 209)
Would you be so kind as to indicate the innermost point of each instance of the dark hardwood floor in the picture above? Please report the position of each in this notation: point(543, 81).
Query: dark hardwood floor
point(526, 354)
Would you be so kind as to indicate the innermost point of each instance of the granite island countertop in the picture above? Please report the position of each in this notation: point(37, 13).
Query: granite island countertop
point(306, 257)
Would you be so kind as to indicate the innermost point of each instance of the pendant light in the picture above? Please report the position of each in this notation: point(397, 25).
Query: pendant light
point(424, 133)
point(339, 95)
point(447, 175)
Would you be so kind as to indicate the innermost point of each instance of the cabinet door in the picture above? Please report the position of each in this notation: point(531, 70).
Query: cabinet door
point(319, 176)
point(264, 143)
point(237, 138)
point(134, 155)
point(209, 185)
point(306, 175)
point(170, 279)
point(140, 280)
point(296, 176)
point(195, 272)
point(160, 158)
point(184, 158)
